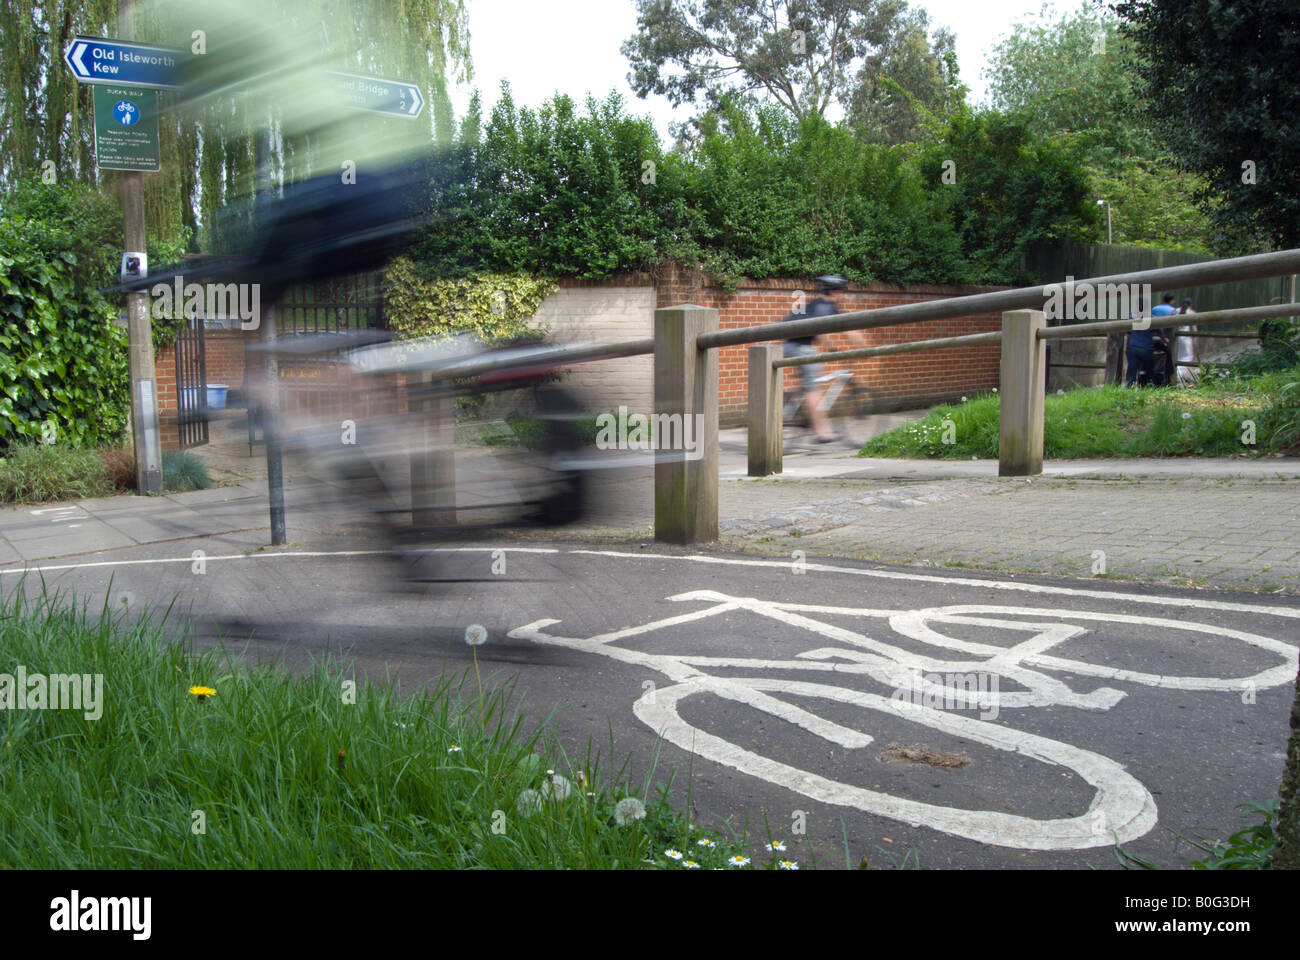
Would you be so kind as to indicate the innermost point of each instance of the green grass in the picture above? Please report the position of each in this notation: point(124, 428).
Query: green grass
point(182, 470)
point(287, 774)
point(1206, 421)
point(41, 472)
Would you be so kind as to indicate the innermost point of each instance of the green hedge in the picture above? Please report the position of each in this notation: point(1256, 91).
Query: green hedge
point(562, 192)
point(63, 362)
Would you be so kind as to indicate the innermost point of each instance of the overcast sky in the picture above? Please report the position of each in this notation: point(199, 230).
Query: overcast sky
point(572, 46)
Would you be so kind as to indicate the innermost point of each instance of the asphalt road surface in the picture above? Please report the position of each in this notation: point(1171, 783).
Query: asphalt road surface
point(920, 717)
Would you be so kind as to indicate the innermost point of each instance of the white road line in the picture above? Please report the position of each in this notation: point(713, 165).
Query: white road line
point(1290, 612)
point(296, 555)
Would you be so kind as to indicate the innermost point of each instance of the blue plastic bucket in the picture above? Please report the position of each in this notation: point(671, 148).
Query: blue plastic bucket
point(217, 396)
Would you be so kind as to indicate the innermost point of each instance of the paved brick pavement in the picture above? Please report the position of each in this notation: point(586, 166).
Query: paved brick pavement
point(1223, 522)
point(1226, 532)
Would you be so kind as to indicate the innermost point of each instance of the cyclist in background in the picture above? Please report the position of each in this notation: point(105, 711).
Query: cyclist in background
point(810, 382)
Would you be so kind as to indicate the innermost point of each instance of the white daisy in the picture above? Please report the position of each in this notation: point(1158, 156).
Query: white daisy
point(453, 749)
point(672, 855)
point(777, 846)
point(787, 865)
point(706, 842)
point(690, 865)
point(738, 861)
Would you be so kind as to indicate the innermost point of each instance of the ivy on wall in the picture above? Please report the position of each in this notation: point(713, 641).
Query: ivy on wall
point(494, 307)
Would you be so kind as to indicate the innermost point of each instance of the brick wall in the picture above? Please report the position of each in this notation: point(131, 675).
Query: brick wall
point(621, 308)
point(896, 383)
point(224, 358)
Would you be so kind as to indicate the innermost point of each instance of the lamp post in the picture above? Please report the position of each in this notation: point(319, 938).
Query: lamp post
point(1107, 205)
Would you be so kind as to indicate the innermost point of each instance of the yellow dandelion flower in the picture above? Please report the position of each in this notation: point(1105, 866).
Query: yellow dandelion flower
point(203, 692)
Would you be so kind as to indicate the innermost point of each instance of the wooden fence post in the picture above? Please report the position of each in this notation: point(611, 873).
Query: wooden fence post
point(765, 402)
point(686, 395)
point(1020, 446)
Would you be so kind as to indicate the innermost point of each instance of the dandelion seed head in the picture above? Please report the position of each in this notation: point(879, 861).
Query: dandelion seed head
point(556, 788)
point(476, 635)
point(628, 810)
point(529, 802)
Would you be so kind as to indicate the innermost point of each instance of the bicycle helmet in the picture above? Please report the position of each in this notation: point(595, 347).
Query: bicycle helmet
point(830, 283)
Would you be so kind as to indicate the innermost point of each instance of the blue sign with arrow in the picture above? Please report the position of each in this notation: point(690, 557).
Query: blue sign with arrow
point(395, 98)
point(96, 60)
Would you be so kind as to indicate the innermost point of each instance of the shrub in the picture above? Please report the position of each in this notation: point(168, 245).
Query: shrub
point(493, 307)
point(119, 467)
point(182, 470)
point(63, 364)
point(562, 192)
point(1281, 421)
point(42, 472)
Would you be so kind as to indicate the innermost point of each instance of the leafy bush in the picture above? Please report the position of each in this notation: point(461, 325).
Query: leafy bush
point(493, 307)
point(43, 472)
point(1279, 349)
point(556, 192)
point(1007, 190)
point(62, 358)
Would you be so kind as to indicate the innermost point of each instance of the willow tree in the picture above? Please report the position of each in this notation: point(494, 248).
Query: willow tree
point(207, 151)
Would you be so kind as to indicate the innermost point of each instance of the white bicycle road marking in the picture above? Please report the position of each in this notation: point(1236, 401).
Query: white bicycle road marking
point(1122, 808)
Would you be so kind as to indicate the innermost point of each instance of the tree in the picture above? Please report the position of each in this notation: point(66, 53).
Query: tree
point(870, 58)
point(909, 82)
point(1007, 190)
point(1076, 75)
point(1075, 79)
point(45, 115)
point(1221, 88)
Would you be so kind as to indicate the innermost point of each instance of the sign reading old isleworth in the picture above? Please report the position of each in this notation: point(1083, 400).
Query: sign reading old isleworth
point(98, 60)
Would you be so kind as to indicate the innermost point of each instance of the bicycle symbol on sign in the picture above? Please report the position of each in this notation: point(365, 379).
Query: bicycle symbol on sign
point(1122, 808)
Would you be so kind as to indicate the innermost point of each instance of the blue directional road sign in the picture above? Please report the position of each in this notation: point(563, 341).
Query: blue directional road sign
point(120, 62)
point(392, 97)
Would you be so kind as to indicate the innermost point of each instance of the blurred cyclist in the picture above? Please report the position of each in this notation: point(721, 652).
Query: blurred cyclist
point(825, 305)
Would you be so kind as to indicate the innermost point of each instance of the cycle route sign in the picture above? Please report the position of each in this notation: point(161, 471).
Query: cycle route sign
point(126, 128)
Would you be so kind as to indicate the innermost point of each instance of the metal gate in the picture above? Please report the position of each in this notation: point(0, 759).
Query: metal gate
point(191, 385)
